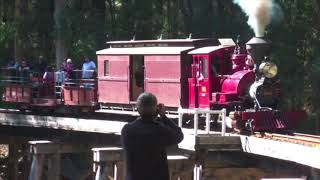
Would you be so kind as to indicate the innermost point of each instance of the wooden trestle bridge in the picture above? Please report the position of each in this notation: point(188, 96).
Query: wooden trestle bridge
point(45, 139)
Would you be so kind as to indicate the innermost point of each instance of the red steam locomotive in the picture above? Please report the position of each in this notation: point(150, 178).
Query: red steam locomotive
point(187, 73)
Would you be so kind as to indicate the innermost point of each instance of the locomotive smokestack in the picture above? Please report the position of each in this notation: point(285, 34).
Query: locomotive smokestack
point(258, 48)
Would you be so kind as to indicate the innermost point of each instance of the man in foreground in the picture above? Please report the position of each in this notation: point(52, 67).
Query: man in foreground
point(145, 141)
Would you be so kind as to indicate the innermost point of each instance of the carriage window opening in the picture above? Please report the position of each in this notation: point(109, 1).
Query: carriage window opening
point(204, 67)
point(227, 63)
point(136, 76)
point(106, 68)
point(138, 67)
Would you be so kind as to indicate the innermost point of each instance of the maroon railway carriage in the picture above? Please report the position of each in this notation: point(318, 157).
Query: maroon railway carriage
point(161, 67)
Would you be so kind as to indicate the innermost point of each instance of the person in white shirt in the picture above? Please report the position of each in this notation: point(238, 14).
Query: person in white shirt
point(88, 68)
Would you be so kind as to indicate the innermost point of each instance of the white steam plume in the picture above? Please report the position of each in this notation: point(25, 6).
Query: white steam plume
point(260, 13)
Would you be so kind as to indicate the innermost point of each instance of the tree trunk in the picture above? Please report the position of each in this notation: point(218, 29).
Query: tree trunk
point(1, 10)
point(18, 53)
point(61, 50)
point(187, 11)
point(101, 37)
point(112, 17)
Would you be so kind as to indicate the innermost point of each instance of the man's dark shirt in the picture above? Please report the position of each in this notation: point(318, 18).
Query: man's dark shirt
point(145, 145)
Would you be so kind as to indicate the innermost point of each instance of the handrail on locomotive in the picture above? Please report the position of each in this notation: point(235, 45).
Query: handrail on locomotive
point(198, 111)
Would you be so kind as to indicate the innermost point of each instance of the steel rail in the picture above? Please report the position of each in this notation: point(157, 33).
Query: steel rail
point(296, 138)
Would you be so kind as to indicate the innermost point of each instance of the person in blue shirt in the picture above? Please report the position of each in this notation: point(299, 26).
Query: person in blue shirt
point(12, 68)
point(88, 68)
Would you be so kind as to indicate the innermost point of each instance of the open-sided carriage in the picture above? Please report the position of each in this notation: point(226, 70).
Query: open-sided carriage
point(17, 87)
point(27, 89)
point(81, 93)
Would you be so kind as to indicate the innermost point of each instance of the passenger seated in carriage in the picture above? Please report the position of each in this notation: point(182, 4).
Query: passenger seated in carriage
point(68, 68)
point(24, 70)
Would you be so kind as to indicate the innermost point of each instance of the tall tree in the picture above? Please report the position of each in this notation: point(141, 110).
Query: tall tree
point(18, 49)
point(60, 44)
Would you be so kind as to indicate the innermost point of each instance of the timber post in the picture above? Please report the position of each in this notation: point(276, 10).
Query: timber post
point(180, 167)
point(17, 156)
point(36, 169)
point(51, 151)
point(107, 163)
point(39, 150)
point(199, 161)
point(13, 161)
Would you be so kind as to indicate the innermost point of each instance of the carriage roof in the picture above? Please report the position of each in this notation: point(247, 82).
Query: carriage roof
point(144, 50)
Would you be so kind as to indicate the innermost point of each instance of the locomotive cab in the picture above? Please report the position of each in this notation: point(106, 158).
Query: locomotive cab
point(210, 67)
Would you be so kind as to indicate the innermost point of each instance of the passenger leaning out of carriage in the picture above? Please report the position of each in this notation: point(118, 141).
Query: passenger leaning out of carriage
point(88, 68)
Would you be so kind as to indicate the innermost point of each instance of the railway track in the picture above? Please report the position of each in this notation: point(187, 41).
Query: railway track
point(296, 138)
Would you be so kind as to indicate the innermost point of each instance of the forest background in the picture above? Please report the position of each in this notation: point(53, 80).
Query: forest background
point(57, 29)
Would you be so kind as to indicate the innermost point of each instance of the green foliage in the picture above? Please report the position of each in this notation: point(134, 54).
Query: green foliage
point(83, 30)
point(7, 31)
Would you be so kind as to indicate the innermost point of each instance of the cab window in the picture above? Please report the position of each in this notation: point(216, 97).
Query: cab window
point(204, 67)
point(215, 66)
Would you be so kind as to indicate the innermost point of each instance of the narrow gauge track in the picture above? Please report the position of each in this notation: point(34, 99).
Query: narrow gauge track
point(296, 138)
point(82, 115)
point(126, 116)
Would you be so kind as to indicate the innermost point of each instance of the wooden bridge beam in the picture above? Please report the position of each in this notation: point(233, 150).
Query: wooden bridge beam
point(45, 149)
point(108, 163)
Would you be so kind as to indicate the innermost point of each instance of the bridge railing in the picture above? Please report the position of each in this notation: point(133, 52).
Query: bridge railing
point(197, 111)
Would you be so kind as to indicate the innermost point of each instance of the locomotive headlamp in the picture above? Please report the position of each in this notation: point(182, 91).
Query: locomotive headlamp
point(269, 69)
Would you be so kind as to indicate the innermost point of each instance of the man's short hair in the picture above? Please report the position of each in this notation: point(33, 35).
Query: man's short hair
point(146, 103)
